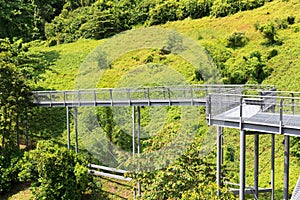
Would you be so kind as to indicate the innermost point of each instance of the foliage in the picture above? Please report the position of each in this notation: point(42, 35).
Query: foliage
point(269, 32)
point(9, 156)
point(17, 69)
point(203, 191)
point(222, 8)
point(188, 177)
point(105, 18)
point(16, 19)
point(56, 172)
point(236, 39)
point(220, 54)
point(250, 69)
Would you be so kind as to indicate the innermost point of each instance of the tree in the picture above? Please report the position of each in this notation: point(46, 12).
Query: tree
point(17, 70)
point(16, 19)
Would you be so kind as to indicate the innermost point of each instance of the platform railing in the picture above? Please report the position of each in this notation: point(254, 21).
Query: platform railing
point(111, 95)
point(279, 108)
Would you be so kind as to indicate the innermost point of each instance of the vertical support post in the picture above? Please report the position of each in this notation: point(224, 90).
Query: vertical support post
point(273, 167)
point(293, 103)
point(26, 135)
point(139, 144)
point(256, 164)
point(242, 164)
point(133, 130)
point(68, 128)
point(286, 166)
point(76, 129)
point(219, 158)
point(242, 153)
point(133, 142)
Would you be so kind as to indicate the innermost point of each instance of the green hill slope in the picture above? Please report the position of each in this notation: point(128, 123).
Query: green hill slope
point(211, 33)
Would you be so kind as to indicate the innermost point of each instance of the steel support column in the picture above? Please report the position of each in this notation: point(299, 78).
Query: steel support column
point(219, 158)
point(273, 167)
point(133, 142)
point(133, 130)
point(139, 143)
point(242, 164)
point(256, 164)
point(76, 129)
point(286, 166)
point(68, 128)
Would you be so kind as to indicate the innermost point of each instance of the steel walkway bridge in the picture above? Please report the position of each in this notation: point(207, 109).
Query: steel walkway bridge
point(250, 108)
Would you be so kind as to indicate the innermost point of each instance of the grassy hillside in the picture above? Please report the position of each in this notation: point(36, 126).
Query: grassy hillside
point(67, 59)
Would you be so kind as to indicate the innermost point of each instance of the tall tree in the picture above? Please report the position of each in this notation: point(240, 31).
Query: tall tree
point(17, 70)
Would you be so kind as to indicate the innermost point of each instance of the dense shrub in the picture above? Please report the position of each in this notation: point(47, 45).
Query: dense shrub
point(55, 172)
point(236, 39)
point(222, 8)
point(197, 8)
point(8, 167)
point(269, 32)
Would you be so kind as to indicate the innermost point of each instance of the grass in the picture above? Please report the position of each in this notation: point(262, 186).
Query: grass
point(67, 59)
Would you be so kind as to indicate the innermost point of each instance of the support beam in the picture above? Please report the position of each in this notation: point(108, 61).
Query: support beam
point(76, 129)
point(273, 167)
point(242, 164)
point(219, 158)
point(286, 166)
point(68, 128)
point(256, 164)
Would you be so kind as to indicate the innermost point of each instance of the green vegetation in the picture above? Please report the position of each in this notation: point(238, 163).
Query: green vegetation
point(56, 173)
point(250, 41)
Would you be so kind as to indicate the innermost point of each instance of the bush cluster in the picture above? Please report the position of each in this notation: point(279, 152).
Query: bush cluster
point(55, 172)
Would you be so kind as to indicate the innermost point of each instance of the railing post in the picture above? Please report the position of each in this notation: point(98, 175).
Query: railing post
point(50, 98)
point(148, 94)
point(76, 129)
point(208, 109)
point(169, 96)
point(111, 97)
point(128, 96)
point(65, 98)
point(241, 112)
point(281, 116)
point(79, 98)
point(262, 102)
point(293, 103)
point(192, 96)
point(95, 98)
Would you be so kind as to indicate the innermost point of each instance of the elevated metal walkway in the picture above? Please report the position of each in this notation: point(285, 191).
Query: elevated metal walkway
point(277, 112)
point(193, 95)
point(245, 107)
